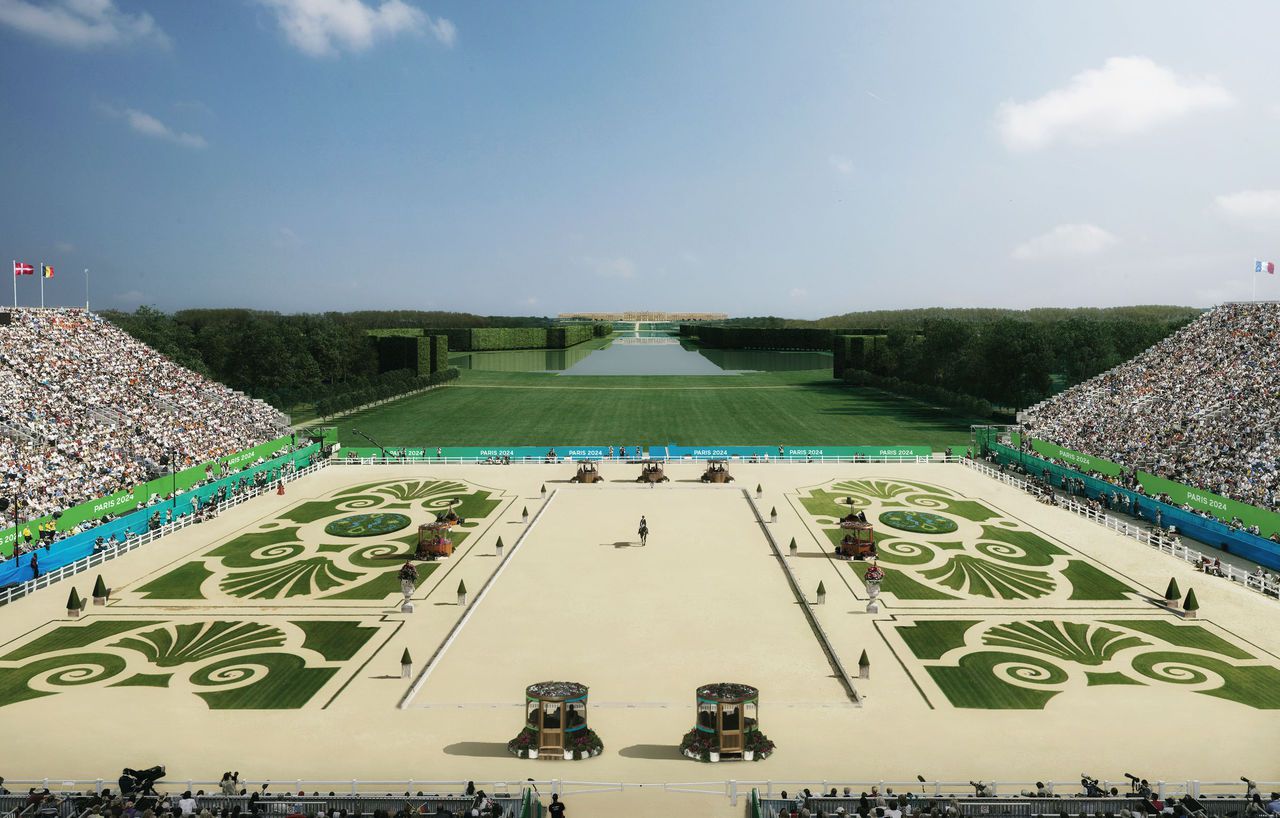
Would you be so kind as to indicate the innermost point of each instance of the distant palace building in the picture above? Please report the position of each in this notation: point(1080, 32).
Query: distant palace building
point(643, 316)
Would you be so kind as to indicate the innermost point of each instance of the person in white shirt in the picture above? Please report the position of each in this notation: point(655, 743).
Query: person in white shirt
point(187, 804)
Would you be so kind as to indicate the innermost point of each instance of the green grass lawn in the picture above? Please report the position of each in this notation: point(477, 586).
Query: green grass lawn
point(768, 408)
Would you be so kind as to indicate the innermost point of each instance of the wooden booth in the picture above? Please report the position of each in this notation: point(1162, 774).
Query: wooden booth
point(651, 472)
point(859, 540)
point(730, 712)
point(717, 472)
point(588, 472)
point(555, 711)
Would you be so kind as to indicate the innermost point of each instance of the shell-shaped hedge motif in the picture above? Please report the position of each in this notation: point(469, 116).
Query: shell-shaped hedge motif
point(1078, 642)
point(173, 645)
point(883, 490)
point(300, 578)
point(980, 577)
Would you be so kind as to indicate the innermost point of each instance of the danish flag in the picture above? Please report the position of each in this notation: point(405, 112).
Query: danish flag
point(22, 269)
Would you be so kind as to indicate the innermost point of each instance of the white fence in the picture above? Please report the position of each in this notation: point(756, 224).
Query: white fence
point(731, 788)
point(1148, 535)
point(339, 459)
point(110, 552)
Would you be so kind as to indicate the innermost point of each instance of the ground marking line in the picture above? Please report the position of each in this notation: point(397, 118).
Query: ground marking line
point(475, 603)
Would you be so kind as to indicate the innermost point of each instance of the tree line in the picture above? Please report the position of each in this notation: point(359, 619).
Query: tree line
point(1009, 362)
point(285, 360)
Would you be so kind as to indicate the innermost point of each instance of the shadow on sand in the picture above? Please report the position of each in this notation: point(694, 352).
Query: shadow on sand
point(478, 749)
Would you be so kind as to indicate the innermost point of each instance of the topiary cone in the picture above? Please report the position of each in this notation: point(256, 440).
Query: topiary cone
point(74, 603)
point(1191, 603)
point(462, 587)
point(1172, 593)
point(792, 546)
point(99, 588)
point(544, 488)
point(863, 661)
point(405, 658)
point(773, 512)
point(499, 545)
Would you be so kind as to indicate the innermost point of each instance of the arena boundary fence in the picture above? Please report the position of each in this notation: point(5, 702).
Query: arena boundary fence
point(358, 796)
point(110, 552)
point(1147, 535)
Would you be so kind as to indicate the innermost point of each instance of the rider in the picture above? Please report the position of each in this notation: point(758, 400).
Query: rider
point(644, 530)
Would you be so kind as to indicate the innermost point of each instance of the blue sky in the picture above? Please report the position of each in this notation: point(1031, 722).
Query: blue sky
point(799, 159)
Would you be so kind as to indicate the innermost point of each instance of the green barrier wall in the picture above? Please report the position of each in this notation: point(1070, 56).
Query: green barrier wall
point(1267, 521)
point(123, 501)
point(1081, 461)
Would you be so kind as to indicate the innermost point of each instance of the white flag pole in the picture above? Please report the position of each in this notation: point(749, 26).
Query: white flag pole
point(42, 285)
point(86, 289)
point(15, 302)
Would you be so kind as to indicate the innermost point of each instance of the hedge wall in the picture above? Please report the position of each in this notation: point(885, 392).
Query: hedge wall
point(479, 339)
point(853, 352)
point(803, 338)
point(420, 355)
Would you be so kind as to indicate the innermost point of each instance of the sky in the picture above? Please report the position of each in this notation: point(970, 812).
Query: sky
point(801, 159)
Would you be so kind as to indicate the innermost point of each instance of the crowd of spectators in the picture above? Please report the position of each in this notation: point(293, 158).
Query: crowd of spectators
point(1202, 407)
point(90, 411)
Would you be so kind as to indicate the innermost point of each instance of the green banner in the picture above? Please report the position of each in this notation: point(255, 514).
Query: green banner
point(123, 501)
point(1221, 507)
point(1081, 462)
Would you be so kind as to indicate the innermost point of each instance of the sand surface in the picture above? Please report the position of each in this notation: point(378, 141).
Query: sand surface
point(579, 599)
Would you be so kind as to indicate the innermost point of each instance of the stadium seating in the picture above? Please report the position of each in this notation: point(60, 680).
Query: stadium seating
point(89, 411)
point(1202, 407)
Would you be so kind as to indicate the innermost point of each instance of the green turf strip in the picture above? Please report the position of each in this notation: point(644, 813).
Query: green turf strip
point(182, 582)
point(931, 639)
point(1090, 583)
point(66, 637)
point(383, 585)
point(1255, 686)
point(336, 641)
point(1185, 636)
point(899, 584)
point(776, 408)
point(14, 685)
point(288, 684)
point(974, 684)
point(1099, 678)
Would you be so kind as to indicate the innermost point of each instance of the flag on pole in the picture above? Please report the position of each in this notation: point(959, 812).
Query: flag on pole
point(1264, 267)
point(23, 269)
point(46, 271)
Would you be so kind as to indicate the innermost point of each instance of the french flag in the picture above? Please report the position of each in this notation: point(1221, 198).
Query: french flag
point(1264, 267)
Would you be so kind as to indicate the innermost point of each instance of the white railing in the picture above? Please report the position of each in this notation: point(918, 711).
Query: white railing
point(286, 789)
point(110, 552)
point(1153, 537)
point(340, 460)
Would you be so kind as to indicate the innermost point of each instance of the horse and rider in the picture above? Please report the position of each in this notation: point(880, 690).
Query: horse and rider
point(644, 531)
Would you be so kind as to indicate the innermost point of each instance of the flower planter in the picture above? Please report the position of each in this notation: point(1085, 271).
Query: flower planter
point(715, 757)
point(568, 755)
point(748, 755)
point(533, 754)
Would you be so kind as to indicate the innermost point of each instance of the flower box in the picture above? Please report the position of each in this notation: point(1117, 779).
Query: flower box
point(748, 755)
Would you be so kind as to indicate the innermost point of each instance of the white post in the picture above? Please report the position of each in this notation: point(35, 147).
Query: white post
point(15, 300)
point(42, 284)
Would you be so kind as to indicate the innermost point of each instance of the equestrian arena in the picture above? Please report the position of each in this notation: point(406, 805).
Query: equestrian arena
point(270, 639)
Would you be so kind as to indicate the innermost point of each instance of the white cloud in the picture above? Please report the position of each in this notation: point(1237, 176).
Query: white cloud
point(322, 28)
point(81, 23)
point(799, 292)
point(65, 247)
point(1065, 241)
point(1251, 205)
point(1127, 95)
point(841, 164)
point(620, 267)
point(147, 125)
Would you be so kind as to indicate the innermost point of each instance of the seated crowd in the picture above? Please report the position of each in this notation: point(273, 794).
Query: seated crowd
point(90, 411)
point(1202, 407)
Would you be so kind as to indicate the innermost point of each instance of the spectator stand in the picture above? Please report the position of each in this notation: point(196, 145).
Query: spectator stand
point(79, 553)
point(1148, 535)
